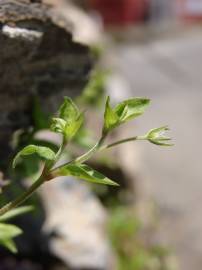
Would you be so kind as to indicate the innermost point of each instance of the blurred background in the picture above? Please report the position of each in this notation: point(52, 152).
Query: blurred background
point(121, 48)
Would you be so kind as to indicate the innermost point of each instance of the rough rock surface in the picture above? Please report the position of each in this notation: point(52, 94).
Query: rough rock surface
point(76, 220)
point(37, 57)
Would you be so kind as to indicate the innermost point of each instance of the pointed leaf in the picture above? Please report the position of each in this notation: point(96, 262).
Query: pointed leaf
point(43, 152)
point(123, 112)
point(9, 231)
point(131, 108)
point(72, 128)
point(85, 172)
point(16, 212)
point(68, 110)
point(9, 244)
point(110, 117)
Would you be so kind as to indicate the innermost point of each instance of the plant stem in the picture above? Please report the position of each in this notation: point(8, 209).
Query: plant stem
point(13, 204)
point(118, 143)
point(23, 197)
point(83, 157)
point(62, 146)
point(92, 151)
point(98, 147)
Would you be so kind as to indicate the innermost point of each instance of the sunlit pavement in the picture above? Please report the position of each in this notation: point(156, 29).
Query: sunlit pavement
point(169, 71)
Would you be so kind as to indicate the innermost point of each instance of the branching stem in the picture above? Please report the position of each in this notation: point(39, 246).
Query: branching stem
point(98, 147)
point(22, 198)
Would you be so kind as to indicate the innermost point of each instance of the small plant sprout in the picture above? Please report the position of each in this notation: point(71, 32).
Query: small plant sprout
point(67, 123)
point(157, 136)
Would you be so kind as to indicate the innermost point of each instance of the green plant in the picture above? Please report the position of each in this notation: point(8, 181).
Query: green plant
point(93, 93)
point(8, 231)
point(134, 253)
point(68, 123)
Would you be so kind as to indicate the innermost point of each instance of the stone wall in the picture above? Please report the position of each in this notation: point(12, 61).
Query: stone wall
point(38, 57)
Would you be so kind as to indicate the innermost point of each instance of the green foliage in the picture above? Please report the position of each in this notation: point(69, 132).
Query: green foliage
point(58, 125)
point(111, 119)
point(16, 212)
point(85, 172)
point(7, 233)
point(93, 93)
point(68, 110)
point(68, 124)
point(134, 254)
point(43, 152)
point(69, 121)
point(123, 112)
point(40, 119)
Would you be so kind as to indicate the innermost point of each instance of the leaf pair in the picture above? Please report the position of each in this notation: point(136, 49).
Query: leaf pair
point(76, 169)
point(8, 231)
point(69, 121)
point(123, 112)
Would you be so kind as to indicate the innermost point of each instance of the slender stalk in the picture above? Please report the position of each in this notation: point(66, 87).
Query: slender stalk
point(62, 146)
point(22, 197)
point(92, 151)
point(83, 157)
point(118, 143)
point(98, 147)
point(35, 185)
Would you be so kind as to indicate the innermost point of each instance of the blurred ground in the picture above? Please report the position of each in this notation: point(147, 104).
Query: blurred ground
point(169, 72)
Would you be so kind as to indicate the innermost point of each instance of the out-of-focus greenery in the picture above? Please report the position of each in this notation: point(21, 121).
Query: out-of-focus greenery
point(126, 233)
point(125, 229)
point(7, 231)
point(93, 94)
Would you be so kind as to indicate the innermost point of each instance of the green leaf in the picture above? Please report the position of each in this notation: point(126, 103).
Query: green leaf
point(111, 120)
point(43, 152)
point(16, 212)
point(9, 244)
point(69, 121)
point(131, 108)
point(9, 231)
point(58, 125)
point(68, 110)
point(72, 128)
point(123, 112)
point(85, 172)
